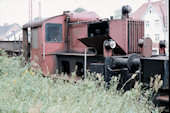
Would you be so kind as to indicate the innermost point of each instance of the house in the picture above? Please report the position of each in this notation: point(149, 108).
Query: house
point(155, 16)
point(11, 32)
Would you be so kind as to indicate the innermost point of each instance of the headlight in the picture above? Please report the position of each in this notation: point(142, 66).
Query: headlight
point(112, 44)
point(109, 44)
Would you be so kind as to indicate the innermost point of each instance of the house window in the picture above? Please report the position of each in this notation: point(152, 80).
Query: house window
point(147, 23)
point(157, 37)
point(150, 9)
point(53, 32)
point(156, 22)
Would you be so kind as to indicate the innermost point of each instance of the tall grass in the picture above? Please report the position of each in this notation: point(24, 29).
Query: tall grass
point(24, 90)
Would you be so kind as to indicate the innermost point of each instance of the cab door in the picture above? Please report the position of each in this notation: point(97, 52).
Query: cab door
point(53, 43)
point(35, 45)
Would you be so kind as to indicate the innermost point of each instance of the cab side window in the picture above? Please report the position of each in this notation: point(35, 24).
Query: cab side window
point(34, 38)
point(53, 32)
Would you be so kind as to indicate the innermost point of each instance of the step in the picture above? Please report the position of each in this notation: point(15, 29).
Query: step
point(163, 98)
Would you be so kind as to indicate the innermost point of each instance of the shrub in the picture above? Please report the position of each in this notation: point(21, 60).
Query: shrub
point(24, 89)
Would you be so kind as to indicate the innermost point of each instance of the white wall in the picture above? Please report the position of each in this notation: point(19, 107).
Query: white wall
point(18, 36)
point(151, 15)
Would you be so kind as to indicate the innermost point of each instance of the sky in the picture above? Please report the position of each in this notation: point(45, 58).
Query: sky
point(17, 11)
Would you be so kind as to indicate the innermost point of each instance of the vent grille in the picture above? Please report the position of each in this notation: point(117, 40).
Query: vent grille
point(135, 32)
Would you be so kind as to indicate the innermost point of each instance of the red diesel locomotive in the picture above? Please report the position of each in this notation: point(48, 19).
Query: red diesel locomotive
point(106, 46)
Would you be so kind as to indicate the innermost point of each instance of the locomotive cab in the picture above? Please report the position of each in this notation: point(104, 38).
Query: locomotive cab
point(47, 36)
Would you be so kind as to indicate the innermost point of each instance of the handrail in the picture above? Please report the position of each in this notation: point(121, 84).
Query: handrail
point(43, 51)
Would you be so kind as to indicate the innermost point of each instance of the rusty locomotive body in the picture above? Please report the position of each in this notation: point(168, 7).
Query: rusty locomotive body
point(107, 46)
point(71, 34)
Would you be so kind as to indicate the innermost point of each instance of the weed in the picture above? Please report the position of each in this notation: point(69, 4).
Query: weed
point(23, 89)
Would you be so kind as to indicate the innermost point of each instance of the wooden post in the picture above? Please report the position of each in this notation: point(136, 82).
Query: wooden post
point(25, 44)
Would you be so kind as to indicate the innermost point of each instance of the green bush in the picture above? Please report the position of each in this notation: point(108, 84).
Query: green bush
point(24, 90)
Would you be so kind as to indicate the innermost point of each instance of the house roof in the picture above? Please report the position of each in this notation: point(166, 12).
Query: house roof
point(13, 33)
point(159, 6)
point(4, 29)
point(140, 11)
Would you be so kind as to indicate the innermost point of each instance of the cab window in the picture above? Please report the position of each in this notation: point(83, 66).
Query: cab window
point(34, 38)
point(53, 32)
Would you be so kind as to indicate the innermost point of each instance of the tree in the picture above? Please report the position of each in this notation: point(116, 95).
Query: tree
point(79, 10)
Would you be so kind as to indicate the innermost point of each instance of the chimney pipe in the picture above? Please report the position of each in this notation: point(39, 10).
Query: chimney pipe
point(6, 24)
point(30, 10)
point(39, 9)
point(149, 2)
